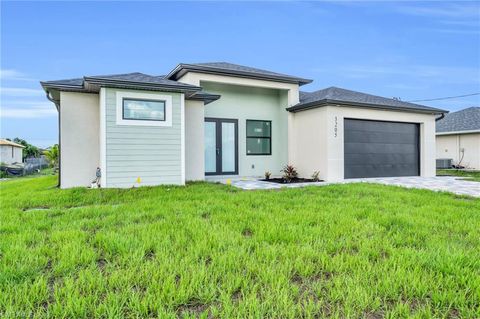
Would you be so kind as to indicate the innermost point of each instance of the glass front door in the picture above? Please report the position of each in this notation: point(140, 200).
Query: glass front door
point(221, 146)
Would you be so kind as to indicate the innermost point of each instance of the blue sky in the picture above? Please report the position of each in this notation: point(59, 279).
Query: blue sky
point(411, 50)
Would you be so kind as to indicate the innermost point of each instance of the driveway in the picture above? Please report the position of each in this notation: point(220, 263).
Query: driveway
point(440, 183)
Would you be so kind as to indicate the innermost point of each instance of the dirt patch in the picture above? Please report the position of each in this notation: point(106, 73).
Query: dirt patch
point(237, 296)
point(193, 307)
point(177, 279)
point(247, 232)
point(139, 289)
point(304, 284)
point(101, 264)
point(377, 314)
point(454, 313)
point(50, 285)
point(149, 254)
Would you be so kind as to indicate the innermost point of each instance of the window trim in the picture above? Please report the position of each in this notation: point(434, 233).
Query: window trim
point(120, 95)
point(143, 100)
point(261, 137)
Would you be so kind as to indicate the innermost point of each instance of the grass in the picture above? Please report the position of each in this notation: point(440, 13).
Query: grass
point(473, 176)
point(208, 250)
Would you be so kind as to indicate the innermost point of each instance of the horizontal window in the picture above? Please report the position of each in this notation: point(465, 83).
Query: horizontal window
point(258, 128)
point(259, 137)
point(148, 110)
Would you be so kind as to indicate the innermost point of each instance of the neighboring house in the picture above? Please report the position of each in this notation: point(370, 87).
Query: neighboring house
point(227, 119)
point(458, 137)
point(10, 152)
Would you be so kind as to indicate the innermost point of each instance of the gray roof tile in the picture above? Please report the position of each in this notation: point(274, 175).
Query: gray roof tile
point(235, 69)
point(136, 77)
point(463, 120)
point(339, 95)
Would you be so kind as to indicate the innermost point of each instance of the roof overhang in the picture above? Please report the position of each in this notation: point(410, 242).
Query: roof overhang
point(93, 85)
point(204, 96)
point(458, 132)
point(316, 104)
point(182, 69)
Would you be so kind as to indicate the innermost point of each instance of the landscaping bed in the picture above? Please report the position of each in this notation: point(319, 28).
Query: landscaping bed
point(293, 181)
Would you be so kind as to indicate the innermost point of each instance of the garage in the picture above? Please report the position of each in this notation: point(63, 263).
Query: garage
point(380, 149)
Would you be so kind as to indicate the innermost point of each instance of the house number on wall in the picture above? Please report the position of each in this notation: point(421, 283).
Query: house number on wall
point(335, 129)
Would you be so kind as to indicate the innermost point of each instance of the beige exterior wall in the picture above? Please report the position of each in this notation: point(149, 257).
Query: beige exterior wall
point(194, 141)
point(310, 142)
point(11, 154)
point(460, 147)
point(79, 131)
point(325, 127)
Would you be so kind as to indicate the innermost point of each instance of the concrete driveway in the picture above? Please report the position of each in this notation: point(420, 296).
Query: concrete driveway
point(440, 183)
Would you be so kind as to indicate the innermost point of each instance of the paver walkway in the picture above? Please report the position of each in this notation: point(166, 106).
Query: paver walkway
point(440, 183)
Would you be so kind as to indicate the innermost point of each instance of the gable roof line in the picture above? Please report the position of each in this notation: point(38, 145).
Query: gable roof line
point(333, 95)
point(230, 69)
point(10, 143)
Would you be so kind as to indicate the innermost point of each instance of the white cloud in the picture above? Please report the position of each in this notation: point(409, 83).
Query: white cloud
point(11, 74)
point(27, 109)
point(437, 9)
point(20, 92)
point(432, 73)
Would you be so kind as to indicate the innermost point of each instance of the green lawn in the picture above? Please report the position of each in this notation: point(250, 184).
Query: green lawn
point(468, 175)
point(208, 250)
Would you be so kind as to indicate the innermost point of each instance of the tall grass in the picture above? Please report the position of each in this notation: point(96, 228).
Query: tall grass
point(208, 250)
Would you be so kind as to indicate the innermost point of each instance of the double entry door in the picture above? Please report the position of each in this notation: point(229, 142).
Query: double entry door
point(221, 146)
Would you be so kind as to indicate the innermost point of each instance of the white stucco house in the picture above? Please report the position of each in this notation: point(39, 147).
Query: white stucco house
point(10, 152)
point(458, 138)
point(227, 119)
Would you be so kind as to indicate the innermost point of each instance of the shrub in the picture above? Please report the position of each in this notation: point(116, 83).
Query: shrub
point(315, 176)
point(289, 173)
point(267, 175)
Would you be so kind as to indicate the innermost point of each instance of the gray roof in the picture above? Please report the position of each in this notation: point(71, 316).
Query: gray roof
point(334, 95)
point(225, 68)
point(135, 80)
point(463, 120)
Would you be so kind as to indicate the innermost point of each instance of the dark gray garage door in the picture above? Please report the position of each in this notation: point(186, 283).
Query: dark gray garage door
point(380, 149)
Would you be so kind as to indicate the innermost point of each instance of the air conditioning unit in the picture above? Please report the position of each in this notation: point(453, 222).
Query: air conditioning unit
point(444, 163)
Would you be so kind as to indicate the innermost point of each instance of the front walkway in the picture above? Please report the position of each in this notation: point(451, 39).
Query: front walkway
point(440, 183)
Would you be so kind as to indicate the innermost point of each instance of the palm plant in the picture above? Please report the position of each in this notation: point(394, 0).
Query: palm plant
point(52, 155)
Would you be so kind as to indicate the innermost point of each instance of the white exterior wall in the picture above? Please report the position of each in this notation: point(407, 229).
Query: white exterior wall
point(11, 154)
point(80, 147)
point(451, 146)
point(325, 127)
point(194, 141)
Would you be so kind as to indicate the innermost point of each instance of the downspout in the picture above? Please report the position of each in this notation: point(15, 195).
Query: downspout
point(439, 118)
point(57, 105)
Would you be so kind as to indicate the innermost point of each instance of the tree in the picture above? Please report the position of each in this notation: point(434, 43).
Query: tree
point(29, 150)
point(52, 155)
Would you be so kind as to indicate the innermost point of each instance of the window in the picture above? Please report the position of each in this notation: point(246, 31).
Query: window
point(147, 110)
point(143, 109)
point(259, 137)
